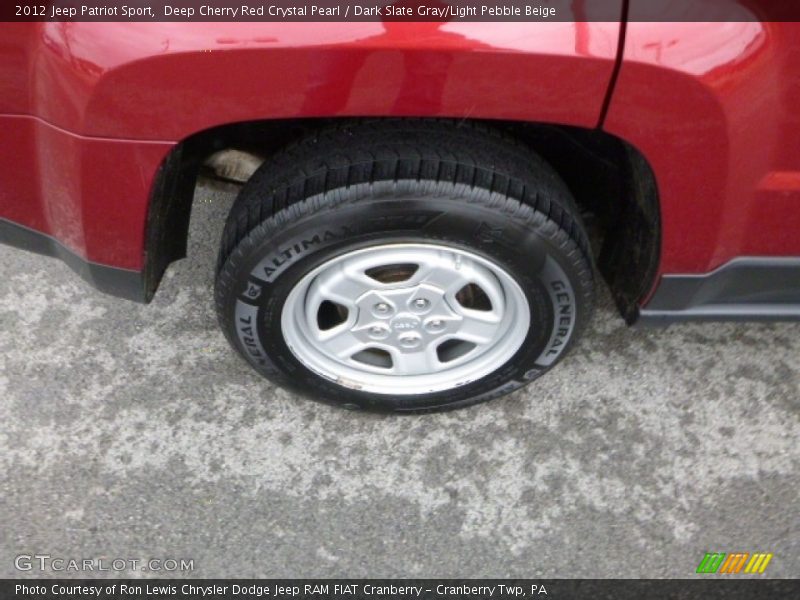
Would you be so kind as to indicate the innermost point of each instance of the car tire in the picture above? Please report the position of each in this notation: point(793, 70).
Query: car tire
point(404, 266)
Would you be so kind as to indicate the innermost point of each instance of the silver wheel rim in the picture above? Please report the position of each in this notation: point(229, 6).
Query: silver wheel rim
point(402, 319)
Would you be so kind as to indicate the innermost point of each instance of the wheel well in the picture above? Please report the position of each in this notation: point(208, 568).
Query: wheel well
point(617, 193)
point(611, 181)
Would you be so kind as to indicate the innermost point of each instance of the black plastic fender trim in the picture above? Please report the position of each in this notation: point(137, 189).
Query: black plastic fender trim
point(744, 289)
point(122, 283)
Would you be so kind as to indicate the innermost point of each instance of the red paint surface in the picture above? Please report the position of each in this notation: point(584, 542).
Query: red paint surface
point(714, 108)
point(89, 110)
point(161, 82)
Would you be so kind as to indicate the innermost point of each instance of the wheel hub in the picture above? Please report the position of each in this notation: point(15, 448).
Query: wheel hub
point(412, 319)
point(408, 319)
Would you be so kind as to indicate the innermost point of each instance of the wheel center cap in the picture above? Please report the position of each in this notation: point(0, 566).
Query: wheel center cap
point(405, 322)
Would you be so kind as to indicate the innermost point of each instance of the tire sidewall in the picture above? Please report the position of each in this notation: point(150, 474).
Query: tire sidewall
point(255, 281)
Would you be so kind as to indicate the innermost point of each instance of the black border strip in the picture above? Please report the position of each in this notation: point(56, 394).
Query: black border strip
point(744, 289)
point(700, 588)
point(122, 283)
point(398, 10)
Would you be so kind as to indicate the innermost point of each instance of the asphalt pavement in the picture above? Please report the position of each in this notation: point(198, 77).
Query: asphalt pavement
point(135, 432)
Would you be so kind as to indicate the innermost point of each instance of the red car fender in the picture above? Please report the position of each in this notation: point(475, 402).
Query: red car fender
point(107, 100)
point(713, 108)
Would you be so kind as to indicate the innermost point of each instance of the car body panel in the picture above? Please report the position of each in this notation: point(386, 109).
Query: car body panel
point(94, 107)
point(166, 81)
point(713, 108)
point(93, 110)
point(89, 194)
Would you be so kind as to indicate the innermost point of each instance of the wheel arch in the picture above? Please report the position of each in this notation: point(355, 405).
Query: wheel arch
point(611, 180)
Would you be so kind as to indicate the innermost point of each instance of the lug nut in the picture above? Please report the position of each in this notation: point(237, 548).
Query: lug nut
point(435, 326)
point(382, 308)
point(378, 332)
point(409, 341)
point(421, 303)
